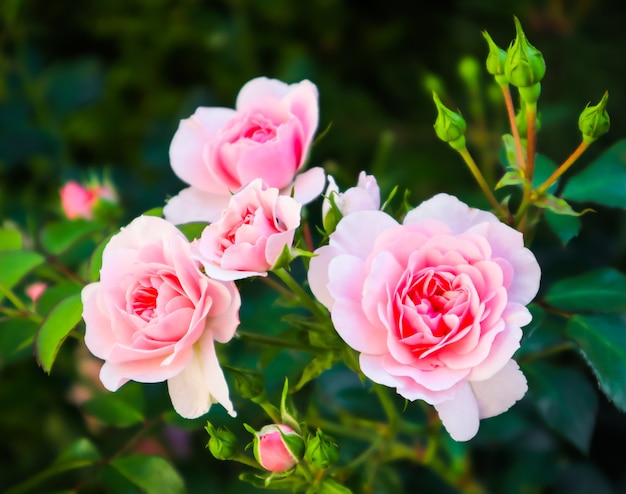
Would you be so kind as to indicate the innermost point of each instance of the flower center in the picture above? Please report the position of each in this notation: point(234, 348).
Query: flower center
point(258, 131)
point(144, 302)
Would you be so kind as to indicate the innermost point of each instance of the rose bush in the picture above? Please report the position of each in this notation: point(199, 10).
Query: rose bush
point(153, 316)
point(434, 305)
point(250, 235)
point(268, 135)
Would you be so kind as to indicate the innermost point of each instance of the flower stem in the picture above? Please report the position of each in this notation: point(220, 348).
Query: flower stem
point(471, 164)
point(519, 153)
point(301, 294)
point(531, 122)
point(582, 147)
point(280, 342)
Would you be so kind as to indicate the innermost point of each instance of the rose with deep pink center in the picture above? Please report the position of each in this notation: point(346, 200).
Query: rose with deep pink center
point(154, 316)
point(435, 305)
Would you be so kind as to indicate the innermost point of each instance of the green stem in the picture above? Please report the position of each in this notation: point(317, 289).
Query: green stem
point(304, 298)
point(263, 339)
point(471, 164)
point(582, 147)
point(519, 153)
point(388, 407)
point(241, 458)
point(548, 352)
point(531, 139)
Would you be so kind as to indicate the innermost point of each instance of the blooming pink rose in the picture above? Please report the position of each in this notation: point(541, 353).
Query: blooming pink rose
point(154, 316)
point(251, 234)
point(219, 150)
point(35, 290)
point(435, 305)
point(78, 201)
point(364, 197)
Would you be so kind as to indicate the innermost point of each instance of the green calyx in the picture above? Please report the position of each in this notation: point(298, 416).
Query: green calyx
point(495, 59)
point(222, 443)
point(524, 65)
point(321, 450)
point(594, 121)
point(450, 126)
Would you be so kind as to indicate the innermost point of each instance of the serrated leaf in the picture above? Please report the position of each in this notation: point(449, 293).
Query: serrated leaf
point(315, 367)
point(152, 474)
point(601, 182)
point(601, 290)
point(566, 400)
point(122, 408)
point(602, 342)
point(565, 227)
point(556, 205)
point(59, 236)
point(55, 328)
point(10, 239)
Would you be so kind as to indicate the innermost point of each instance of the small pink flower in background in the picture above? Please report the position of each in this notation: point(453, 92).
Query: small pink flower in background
point(35, 290)
point(435, 305)
point(251, 234)
point(364, 197)
point(153, 316)
point(217, 151)
point(78, 201)
point(278, 448)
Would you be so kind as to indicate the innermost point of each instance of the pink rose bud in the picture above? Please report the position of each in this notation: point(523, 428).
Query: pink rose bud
point(364, 197)
point(277, 447)
point(78, 201)
point(35, 290)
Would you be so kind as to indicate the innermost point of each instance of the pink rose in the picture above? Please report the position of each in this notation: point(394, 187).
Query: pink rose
point(364, 197)
point(435, 305)
point(278, 448)
point(79, 202)
point(35, 290)
point(154, 316)
point(219, 150)
point(251, 234)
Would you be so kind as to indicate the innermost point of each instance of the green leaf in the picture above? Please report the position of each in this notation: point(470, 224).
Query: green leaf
point(95, 262)
point(602, 343)
point(566, 400)
point(601, 290)
point(16, 335)
point(544, 167)
point(14, 264)
point(152, 474)
point(193, 230)
point(122, 408)
point(601, 182)
point(315, 367)
point(513, 177)
point(55, 328)
point(556, 205)
point(565, 227)
point(10, 239)
point(59, 236)
point(80, 454)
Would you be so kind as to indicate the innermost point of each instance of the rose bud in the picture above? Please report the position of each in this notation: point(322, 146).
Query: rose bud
point(277, 447)
point(222, 444)
point(322, 450)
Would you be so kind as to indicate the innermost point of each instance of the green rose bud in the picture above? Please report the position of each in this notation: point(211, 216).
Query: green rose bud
point(524, 66)
point(222, 443)
point(449, 126)
point(495, 60)
point(594, 121)
point(321, 450)
point(249, 384)
point(469, 70)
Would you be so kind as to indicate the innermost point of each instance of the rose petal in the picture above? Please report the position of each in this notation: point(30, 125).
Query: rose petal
point(500, 392)
point(460, 415)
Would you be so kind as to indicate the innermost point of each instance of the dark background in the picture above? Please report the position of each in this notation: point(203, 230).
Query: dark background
point(101, 85)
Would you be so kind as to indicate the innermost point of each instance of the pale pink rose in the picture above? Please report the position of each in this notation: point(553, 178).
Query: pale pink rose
point(435, 305)
point(78, 201)
point(251, 234)
point(153, 316)
point(364, 197)
point(217, 151)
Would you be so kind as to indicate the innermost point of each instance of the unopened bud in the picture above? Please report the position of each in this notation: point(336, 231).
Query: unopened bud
point(278, 448)
point(495, 60)
point(594, 121)
point(524, 66)
point(449, 126)
point(222, 443)
point(321, 450)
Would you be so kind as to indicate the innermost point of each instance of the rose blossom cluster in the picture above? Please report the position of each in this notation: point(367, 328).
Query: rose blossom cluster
point(162, 302)
point(434, 305)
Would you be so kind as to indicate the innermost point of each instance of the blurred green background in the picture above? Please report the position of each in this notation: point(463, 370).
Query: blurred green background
point(101, 85)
